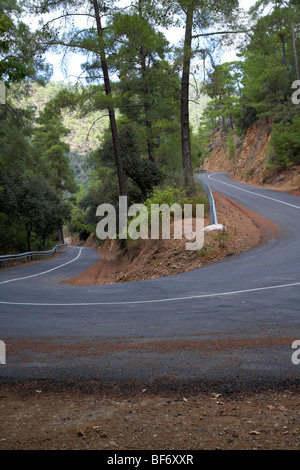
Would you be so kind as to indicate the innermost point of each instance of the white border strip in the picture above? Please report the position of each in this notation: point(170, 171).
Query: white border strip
point(252, 192)
point(134, 302)
point(44, 272)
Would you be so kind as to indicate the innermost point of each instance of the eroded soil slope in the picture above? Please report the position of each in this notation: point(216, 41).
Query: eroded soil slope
point(147, 259)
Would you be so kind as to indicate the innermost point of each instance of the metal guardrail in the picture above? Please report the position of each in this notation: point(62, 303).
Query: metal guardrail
point(7, 261)
point(212, 206)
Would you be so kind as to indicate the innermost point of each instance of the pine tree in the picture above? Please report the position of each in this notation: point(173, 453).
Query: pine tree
point(197, 16)
point(90, 40)
point(139, 59)
point(20, 53)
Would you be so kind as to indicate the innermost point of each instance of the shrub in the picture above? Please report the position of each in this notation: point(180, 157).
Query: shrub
point(171, 195)
point(285, 141)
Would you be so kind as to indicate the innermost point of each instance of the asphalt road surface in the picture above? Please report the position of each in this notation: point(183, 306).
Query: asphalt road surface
point(234, 319)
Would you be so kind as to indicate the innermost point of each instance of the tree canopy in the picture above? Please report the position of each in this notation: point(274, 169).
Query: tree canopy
point(137, 100)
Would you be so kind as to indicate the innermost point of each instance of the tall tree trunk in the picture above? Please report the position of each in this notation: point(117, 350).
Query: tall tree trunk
point(150, 144)
point(295, 51)
point(283, 51)
point(61, 235)
point(111, 111)
point(231, 121)
point(185, 124)
point(28, 232)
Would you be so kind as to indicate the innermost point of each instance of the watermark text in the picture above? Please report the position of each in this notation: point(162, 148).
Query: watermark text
point(2, 352)
point(296, 94)
point(296, 354)
point(138, 222)
point(2, 93)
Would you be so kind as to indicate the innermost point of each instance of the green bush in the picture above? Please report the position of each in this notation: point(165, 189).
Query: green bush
point(78, 225)
point(285, 141)
point(167, 195)
point(171, 195)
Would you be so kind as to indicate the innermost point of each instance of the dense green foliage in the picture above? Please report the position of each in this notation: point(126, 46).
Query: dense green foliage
point(286, 143)
point(140, 117)
point(31, 194)
point(259, 85)
point(20, 53)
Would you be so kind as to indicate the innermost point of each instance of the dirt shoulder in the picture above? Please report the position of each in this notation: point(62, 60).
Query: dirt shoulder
point(170, 415)
point(284, 181)
point(148, 259)
point(42, 416)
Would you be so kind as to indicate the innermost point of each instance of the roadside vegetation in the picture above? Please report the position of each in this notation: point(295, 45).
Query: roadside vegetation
point(259, 86)
point(138, 120)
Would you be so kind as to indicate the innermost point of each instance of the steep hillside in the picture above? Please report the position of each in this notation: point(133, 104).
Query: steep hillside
point(248, 158)
point(85, 132)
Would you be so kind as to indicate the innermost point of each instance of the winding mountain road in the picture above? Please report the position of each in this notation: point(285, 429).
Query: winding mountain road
point(236, 319)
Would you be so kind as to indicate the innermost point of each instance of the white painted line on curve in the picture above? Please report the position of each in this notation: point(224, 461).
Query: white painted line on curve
point(172, 299)
point(252, 192)
point(44, 272)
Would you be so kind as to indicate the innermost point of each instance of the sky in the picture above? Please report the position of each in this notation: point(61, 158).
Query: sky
point(73, 61)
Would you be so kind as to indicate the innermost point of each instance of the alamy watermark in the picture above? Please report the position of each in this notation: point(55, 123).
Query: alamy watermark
point(138, 222)
point(2, 352)
point(2, 93)
point(296, 94)
point(296, 354)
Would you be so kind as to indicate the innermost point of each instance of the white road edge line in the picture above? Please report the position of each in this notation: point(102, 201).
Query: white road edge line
point(252, 192)
point(44, 272)
point(219, 294)
point(134, 302)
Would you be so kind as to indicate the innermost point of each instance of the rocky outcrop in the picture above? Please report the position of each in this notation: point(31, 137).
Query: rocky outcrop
point(248, 159)
point(249, 156)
